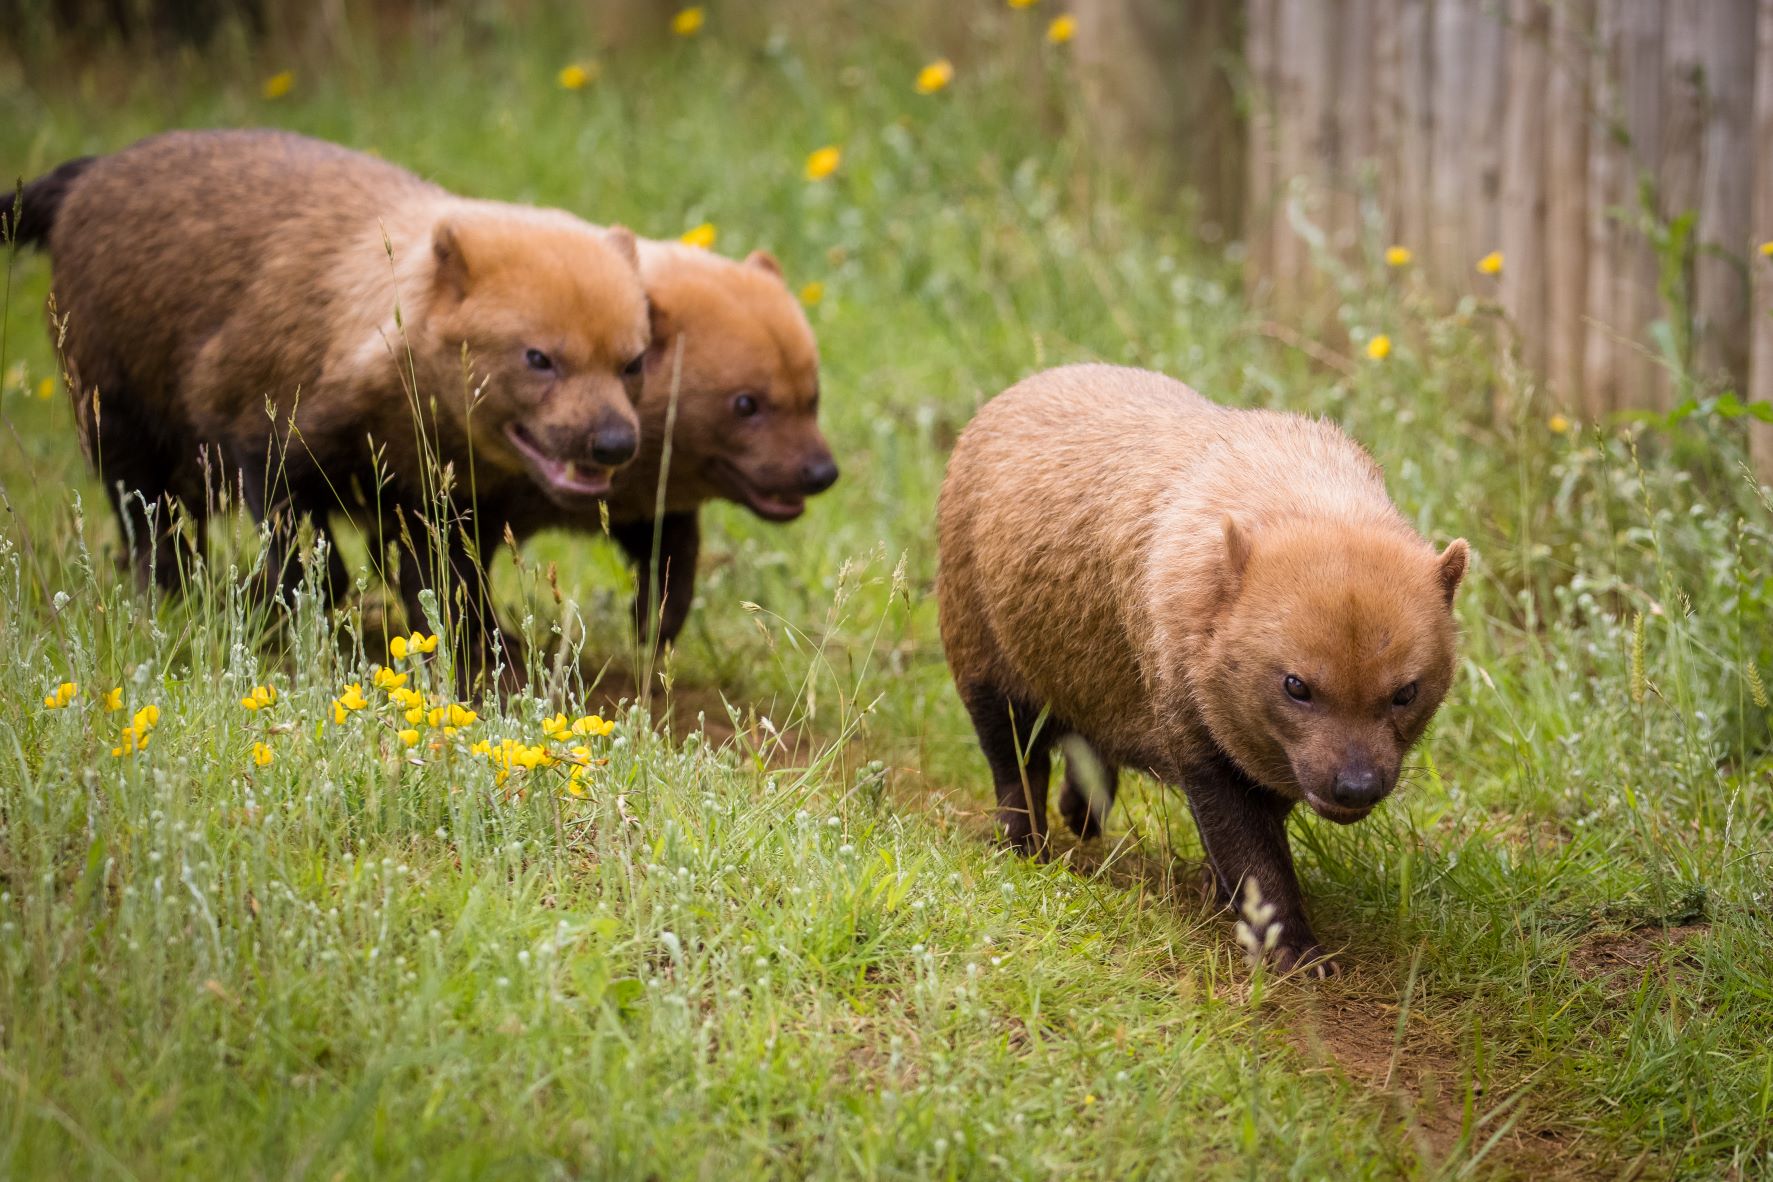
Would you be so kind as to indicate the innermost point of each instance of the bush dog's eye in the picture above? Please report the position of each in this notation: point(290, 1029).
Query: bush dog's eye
point(539, 360)
point(745, 405)
point(1404, 696)
point(633, 368)
point(1296, 689)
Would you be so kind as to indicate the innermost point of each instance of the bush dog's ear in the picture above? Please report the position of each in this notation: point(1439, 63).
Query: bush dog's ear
point(763, 260)
point(1237, 553)
point(452, 264)
point(663, 329)
point(1451, 567)
point(621, 239)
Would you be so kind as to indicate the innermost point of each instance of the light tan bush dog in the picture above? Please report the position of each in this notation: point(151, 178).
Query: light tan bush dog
point(1226, 599)
point(734, 371)
point(258, 309)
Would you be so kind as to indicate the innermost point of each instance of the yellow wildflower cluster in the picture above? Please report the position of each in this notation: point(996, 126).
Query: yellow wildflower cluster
point(689, 21)
point(135, 736)
point(262, 697)
point(61, 695)
point(348, 702)
point(402, 647)
point(509, 756)
point(935, 76)
point(823, 162)
point(702, 236)
point(262, 754)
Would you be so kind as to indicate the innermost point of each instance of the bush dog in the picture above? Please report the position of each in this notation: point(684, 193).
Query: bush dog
point(331, 333)
point(732, 382)
point(1226, 599)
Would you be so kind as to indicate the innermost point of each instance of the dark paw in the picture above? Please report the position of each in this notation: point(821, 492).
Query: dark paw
point(1082, 820)
point(1308, 961)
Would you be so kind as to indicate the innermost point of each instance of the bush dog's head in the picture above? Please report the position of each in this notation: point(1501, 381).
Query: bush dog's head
point(1333, 649)
point(730, 340)
point(555, 320)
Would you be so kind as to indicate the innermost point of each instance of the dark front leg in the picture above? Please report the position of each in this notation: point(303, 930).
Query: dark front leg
point(450, 566)
point(283, 506)
point(1018, 748)
point(662, 602)
point(1090, 787)
point(1243, 827)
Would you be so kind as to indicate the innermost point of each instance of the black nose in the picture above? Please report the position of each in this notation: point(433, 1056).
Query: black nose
point(1358, 787)
point(818, 476)
point(614, 445)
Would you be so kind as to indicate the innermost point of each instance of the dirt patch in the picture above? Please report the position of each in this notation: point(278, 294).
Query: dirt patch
point(1609, 955)
point(1414, 1069)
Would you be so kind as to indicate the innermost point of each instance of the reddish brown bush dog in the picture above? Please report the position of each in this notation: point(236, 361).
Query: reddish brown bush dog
point(1226, 599)
point(229, 305)
point(734, 370)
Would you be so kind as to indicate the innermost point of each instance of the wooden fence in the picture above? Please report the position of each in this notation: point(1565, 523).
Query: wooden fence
point(1617, 153)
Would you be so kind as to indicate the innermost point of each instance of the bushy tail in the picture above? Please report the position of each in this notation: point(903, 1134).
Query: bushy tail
point(29, 213)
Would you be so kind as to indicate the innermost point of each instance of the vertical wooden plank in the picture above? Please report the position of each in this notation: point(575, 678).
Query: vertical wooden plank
point(1567, 116)
point(1356, 44)
point(1450, 168)
point(1680, 162)
point(1761, 308)
point(1636, 302)
point(1524, 161)
point(1720, 287)
point(1608, 179)
point(1416, 101)
point(1388, 112)
point(1304, 138)
point(1264, 174)
point(1467, 159)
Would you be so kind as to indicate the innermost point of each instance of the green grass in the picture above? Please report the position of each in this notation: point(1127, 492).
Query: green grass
point(740, 955)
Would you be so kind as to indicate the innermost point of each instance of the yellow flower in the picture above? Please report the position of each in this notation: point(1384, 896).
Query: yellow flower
point(1766, 249)
point(823, 162)
point(408, 736)
point(113, 701)
point(1490, 264)
point(1063, 29)
point(64, 693)
point(401, 696)
point(352, 698)
point(397, 648)
point(1088, 1100)
point(935, 76)
point(462, 716)
point(135, 736)
point(1398, 256)
point(260, 697)
point(146, 719)
point(389, 680)
point(418, 642)
point(1022, 3)
point(262, 754)
point(278, 84)
point(415, 715)
point(689, 22)
point(555, 727)
point(46, 389)
point(1558, 423)
point(812, 293)
point(1379, 348)
point(702, 236)
point(593, 724)
point(578, 75)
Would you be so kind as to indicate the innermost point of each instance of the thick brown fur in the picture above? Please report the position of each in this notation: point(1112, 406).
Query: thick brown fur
point(328, 333)
point(1123, 560)
point(723, 331)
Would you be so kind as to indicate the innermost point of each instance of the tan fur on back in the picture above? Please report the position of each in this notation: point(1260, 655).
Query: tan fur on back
point(1084, 567)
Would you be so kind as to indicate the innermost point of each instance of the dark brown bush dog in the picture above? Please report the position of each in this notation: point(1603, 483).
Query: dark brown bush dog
point(229, 302)
point(1225, 599)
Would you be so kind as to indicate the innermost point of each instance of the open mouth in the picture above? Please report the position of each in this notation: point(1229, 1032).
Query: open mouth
point(768, 504)
point(569, 477)
point(1331, 811)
